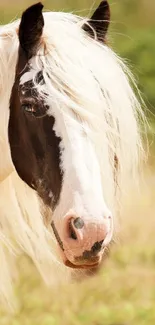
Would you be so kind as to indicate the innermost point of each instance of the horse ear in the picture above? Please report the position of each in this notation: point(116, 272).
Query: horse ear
point(30, 29)
point(99, 21)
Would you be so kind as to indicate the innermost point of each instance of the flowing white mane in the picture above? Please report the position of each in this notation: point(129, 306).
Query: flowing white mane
point(91, 84)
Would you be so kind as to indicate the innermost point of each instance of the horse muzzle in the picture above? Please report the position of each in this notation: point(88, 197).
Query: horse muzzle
point(82, 241)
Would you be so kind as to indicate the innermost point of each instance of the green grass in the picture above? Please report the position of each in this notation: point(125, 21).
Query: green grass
point(121, 293)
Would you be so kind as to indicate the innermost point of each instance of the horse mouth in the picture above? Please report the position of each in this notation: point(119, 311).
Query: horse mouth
point(81, 263)
point(81, 266)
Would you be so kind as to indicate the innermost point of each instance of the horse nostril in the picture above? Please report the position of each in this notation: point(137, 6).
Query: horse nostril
point(78, 223)
point(74, 226)
point(72, 233)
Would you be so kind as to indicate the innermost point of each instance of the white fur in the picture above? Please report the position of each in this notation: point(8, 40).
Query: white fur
point(95, 109)
point(27, 76)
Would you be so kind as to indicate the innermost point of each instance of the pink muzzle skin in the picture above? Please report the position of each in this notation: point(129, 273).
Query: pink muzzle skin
point(82, 242)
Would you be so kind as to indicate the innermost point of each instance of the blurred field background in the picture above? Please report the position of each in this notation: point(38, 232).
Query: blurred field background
point(123, 291)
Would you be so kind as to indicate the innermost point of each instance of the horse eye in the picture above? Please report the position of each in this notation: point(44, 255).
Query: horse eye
point(29, 108)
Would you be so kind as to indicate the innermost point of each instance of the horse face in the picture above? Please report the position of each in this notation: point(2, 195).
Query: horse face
point(54, 155)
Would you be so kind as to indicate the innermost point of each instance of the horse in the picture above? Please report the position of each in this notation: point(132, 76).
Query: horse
point(70, 138)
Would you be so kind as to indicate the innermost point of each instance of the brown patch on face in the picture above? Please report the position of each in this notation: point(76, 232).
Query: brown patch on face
point(33, 143)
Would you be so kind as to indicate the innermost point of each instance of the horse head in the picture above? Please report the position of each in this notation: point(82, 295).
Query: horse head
point(50, 141)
